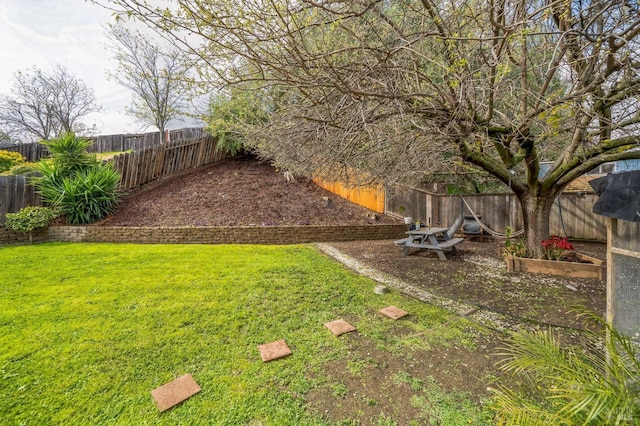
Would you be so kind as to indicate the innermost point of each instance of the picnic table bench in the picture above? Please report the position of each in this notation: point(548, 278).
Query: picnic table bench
point(436, 239)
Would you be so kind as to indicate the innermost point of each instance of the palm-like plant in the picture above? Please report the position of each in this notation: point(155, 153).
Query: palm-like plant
point(84, 189)
point(70, 154)
point(595, 384)
point(90, 195)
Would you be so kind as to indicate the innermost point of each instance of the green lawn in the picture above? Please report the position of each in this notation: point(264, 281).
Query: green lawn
point(88, 330)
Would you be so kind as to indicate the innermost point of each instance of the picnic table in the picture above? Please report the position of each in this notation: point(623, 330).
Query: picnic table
point(436, 239)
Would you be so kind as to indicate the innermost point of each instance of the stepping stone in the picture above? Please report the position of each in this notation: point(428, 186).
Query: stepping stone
point(174, 392)
point(339, 327)
point(274, 350)
point(393, 312)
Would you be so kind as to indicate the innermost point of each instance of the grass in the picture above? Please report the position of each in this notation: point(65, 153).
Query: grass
point(88, 330)
point(110, 154)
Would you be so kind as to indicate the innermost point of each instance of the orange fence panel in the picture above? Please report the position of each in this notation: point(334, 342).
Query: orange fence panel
point(371, 197)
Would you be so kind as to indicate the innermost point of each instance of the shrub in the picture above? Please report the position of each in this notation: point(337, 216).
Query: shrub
point(596, 384)
point(23, 169)
point(517, 248)
point(30, 218)
point(70, 154)
point(90, 195)
point(84, 189)
point(231, 116)
point(9, 159)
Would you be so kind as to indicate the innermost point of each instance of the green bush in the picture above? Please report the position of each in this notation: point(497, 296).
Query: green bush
point(30, 218)
point(9, 159)
point(70, 153)
point(232, 115)
point(597, 383)
point(84, 189)
point(23, 169)
point(90, 195)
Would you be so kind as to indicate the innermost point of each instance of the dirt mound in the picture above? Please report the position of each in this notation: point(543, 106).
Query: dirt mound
point(237, 192)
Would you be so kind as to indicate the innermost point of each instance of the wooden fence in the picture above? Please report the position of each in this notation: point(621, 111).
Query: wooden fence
point(144, 166)
point(369, 197)
point(30, 151)
point(16, 193)
point(136, 168)
point(137, 142)
point(113, 143)
point(571, 214)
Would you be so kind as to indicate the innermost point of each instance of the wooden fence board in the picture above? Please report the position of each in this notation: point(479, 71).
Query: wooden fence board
point(16, 193)
point(498, 211)
point(371, 198)
point(4, 195)
point(141, 167)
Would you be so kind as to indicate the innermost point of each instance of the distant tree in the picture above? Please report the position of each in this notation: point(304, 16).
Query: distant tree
point(158, 79)
point(45, 104)
point(5, 139)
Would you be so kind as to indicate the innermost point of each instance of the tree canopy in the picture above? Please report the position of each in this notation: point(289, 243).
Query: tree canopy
point(403, 88)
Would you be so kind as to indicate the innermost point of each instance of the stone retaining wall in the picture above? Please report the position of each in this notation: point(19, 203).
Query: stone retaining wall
point(207, 235)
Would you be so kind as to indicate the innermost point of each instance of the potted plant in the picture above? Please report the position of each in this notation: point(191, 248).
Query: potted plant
point(408, 220)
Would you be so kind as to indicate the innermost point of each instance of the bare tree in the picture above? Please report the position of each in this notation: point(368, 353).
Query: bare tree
point(5, 139)
point(43, 105)
point(400, 89)
point(157, 79)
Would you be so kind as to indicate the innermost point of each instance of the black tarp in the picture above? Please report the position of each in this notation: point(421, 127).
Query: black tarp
point(619, 195)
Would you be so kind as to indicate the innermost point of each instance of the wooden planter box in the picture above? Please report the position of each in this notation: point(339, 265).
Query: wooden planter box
point(596, 269)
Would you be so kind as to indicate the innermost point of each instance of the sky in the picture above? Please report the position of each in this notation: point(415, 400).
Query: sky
point(44, 33)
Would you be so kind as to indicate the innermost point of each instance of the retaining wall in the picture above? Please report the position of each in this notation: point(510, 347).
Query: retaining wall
point(207, 235)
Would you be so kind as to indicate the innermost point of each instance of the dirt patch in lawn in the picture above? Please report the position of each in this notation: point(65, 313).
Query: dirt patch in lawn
point(477, 275)
point(373, 386)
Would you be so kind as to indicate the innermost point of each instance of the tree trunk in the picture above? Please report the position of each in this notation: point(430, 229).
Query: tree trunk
point(535, 215)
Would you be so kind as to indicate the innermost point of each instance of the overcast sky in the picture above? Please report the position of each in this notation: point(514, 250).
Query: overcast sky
point(43, 33)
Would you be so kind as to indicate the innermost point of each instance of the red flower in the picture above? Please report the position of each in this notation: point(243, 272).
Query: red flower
point(555, 246)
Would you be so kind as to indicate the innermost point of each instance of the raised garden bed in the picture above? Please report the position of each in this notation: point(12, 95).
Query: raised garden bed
point(588, 267)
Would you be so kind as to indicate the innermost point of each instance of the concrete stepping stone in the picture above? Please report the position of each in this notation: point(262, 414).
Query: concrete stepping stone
point(339, 327)
point(393, 312)
point(174, 392)
point(274, 350)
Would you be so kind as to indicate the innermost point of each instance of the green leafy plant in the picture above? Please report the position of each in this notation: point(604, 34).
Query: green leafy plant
point(70, 153)
point(86, 197)
point(30, 218)
point(597, 383)
point(232, 114)
point(9, 159)
point(516, 248)
point(84, 189)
